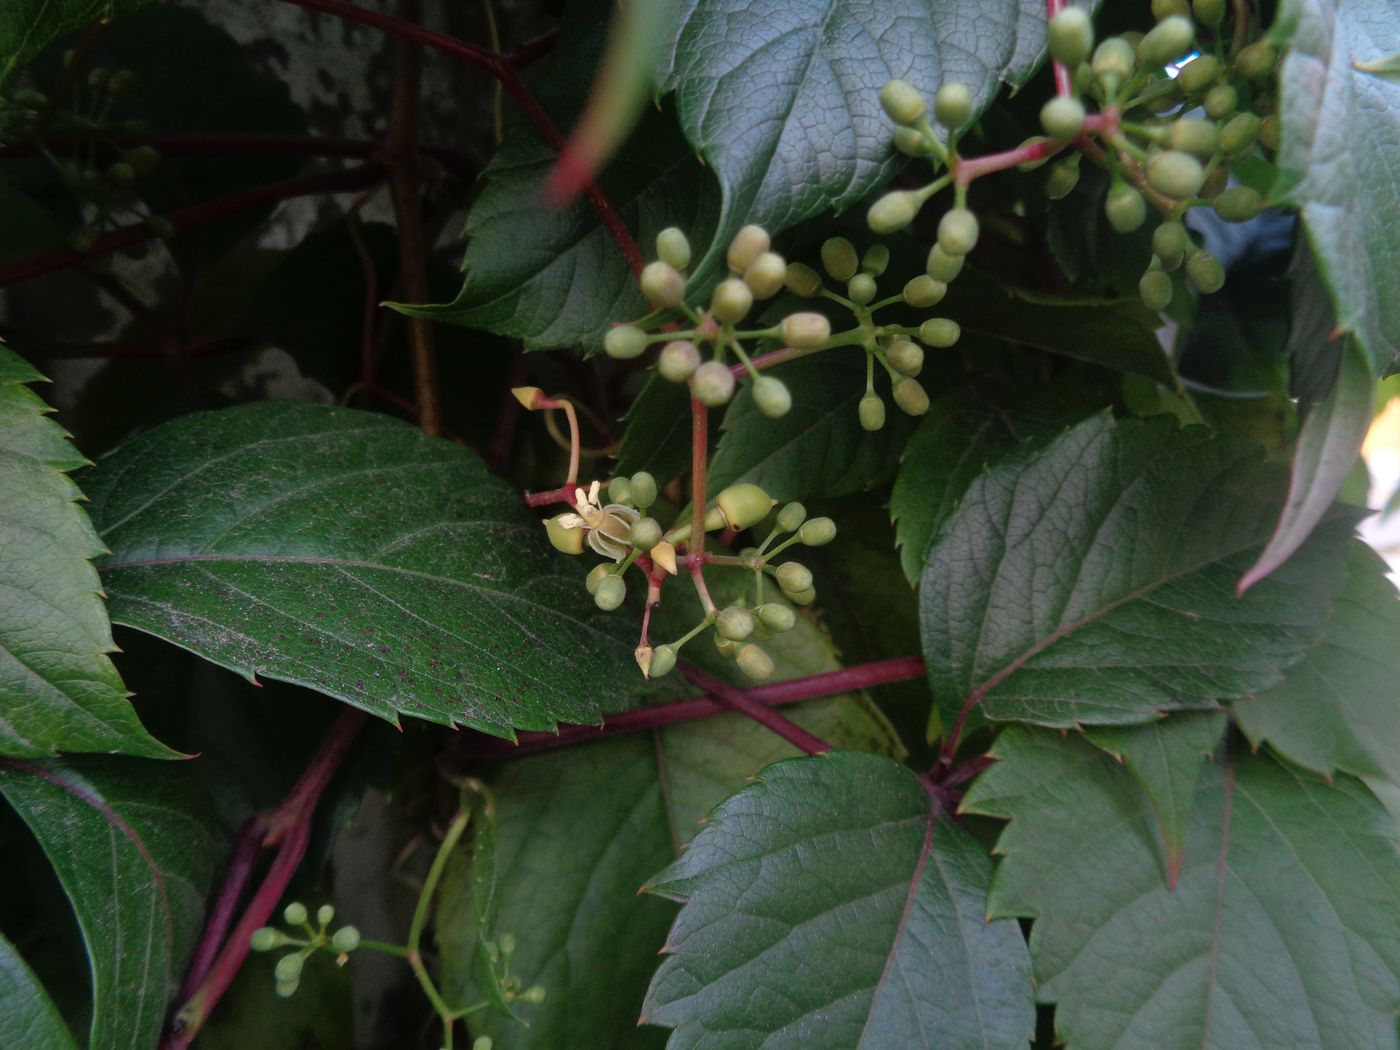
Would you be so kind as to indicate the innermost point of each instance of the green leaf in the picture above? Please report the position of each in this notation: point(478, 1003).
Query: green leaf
point(579, 830)
point(1283, 928)
point(59, 690)
point(347, 552)
point(26, 26)
point(657, 434)
point(818, 448)
point(1328, 446)
point(1166, 758)
point(1337, 709)
point(130, 844)
point(1094, 582)
point(828, 906)
point(1118, 334)
point(28, 1018)
point(558, 279)
point(1341, 134)
point(783, 101)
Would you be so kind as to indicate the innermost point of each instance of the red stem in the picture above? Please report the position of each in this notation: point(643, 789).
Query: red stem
point(740, 702)
point(288, 829)
point(237, 871)
point(500, 67)
point(563, 494)
point(307, 185)
point(1063, 83)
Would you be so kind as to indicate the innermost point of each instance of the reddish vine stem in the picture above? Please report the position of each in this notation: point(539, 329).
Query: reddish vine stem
point(286, 829)
point(500, 67)
point(195, 215)
point(738, 701)
point(1063, 82)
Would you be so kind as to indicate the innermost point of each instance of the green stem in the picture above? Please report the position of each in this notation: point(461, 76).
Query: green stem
point(455, 830)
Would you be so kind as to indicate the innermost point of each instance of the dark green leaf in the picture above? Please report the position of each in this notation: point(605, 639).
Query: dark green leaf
point(28, 1018)
point(1328, 447)
point(827, 906)
point(1337, 709)
point(60, 692)
point(1094, 582)
point(26, 26)
point(1341, 134)
point(1283, 928)
point(1166, 758)
point(818, 448)
point(580, 830)
point(783, 100)
point(130, 843)
point(657, 434)
point(346, 552)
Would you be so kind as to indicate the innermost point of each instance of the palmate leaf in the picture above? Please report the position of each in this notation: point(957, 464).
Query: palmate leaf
point(1094, 582)
point(580, 830)
point(26, 26)
point(1338, 709)
point(783, 102)
point(347, 552)
point(28, 1018)
point(1283, 928)
point(58, 689)
point(828, 906)
point(1340, 144)
point(131, 845)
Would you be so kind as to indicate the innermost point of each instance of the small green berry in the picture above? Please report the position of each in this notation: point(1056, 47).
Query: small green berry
point(643, 489)
point(1270, 132)
point(1239, 135)
point(1175, 173)
point(1071, 36)
point(791, 517)
point(910, 395)
point(121, 173)
point(805, 331)
point(288, 967)
point(1170, 243)
point(754, 662)
point(902, 101)
point(765, 275)
point(743, 505)
point(1155, 290)
point(678, 360)
point(905, 356)
point(596, 575)
point(1205, 273)
point(644, 534)
point(1216, 182)
point(923, 291)
point(876, 260)
point(958, 231)
point(1062, 178)
point(839, 258)
point(1125, 208)
point(535, 995)
point(748, 244)
point(777, 618)
point(731, 300)
point(1198, 74)
point(1113, 63)
point(1238, 204)
point(266, 938)
point(802, 280)
point(794, 576)
point(673, 247)
point(912, 142)
point(772, 397)
point(871, 411)
point(894, 211)
point(861, 288)
point(324, 915)
point(624, 342)
point(953, 105)
point(1167, 8)
point(734, 623)
point(663, 661)
point(1256, 61)
point(941, 266)
point(1221, 102)
point(1200, 137)
point(287, 989)
point(1062, 117)
point(294, 914)
point(806, 597)
point(1169, 39)
point(663, 285)
point(1209, 12)
point(817, 532)
point(611, 592)
point(619, 489)
point(939, 332)
point(483, 1042)
point(346, 939)
point(726, 648)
